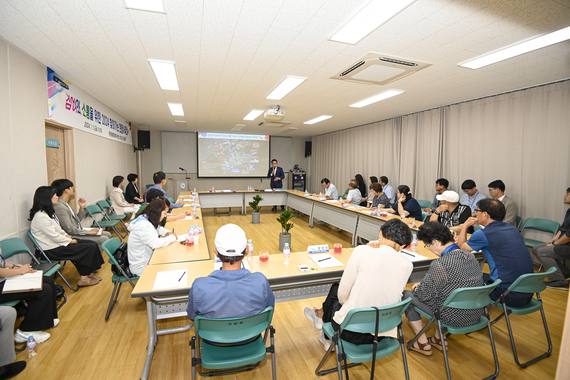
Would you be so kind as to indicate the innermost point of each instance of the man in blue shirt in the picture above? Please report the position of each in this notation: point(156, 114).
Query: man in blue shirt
point(503, 247)
point(387, 189)
point(232, 291)
point(159, 179)
point(472, 196)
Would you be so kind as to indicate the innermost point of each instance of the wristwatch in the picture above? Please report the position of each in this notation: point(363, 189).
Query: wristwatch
point(436, 213)
point(553, 243)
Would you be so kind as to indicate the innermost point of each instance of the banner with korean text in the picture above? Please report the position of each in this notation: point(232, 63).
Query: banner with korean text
point(70, 106)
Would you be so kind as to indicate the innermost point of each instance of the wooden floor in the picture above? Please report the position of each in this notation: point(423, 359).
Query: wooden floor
point(84, 346)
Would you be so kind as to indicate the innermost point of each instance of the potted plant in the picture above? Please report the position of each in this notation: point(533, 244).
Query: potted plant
point(254, 204)
point(285, 236)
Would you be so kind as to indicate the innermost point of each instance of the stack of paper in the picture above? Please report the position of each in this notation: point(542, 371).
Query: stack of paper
point(325, 260)
point(412, 256)
point(23, 282)
point(171, 279)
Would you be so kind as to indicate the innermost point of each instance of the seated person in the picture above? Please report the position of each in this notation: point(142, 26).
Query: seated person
point(41, 313)
point(379, 200)
point(371, 180)
point(472, 196)
point(154, 194)
point(132, 191)
point(441, 185)
point(330, 189)
point(71, 222)
point(497, 191)
point(406, 204)
point(120, 205)
point(453, 270)
point(372, 277)
point(232, 291)
point(144, 236)
point(159, 179)
point(388, 190)
point(353, 196)
point(8, 368)
point(503, 247)
point(56, 244)
point(450, 213)
point(556, 252)
point(362, 187)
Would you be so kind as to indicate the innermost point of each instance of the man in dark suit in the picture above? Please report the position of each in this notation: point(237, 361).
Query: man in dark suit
point(497, 191)
point(276, 174)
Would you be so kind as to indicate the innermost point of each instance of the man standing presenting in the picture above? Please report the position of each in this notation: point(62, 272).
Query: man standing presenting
point(556, 251)
point(441, 185)
point(71, 222)
point(503, 247)
point(232, 291)
point(159, 179)
point(472, 196)
point(450, 213)
point(387, 189)
point(497, 191)
point(276, 174)
point(330, 189)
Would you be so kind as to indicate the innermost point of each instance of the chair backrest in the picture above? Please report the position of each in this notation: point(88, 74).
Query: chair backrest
point(103, 205)
point(519, 222)
point(93, 209)
point(12, 246)
point(110, 246)
point(477, 228)
point(33, 240)
point(541, 225)
point(531, 283)
point(233, 330)
point(471, 298)
point(363, 320)
point(423, 203)
point(424, 216)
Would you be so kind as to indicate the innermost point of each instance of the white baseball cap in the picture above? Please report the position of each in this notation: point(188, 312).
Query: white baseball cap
point(448, 195)
point(230, 238)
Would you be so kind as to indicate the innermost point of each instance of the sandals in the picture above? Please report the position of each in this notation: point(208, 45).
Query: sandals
point(89, 282)
point(432, 340)
point(422, 350)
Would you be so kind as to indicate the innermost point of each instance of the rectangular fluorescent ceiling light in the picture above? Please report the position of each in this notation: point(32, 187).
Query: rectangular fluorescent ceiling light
point(288, 85)
point(165, 74)
point(253, 114)
point(518, 49)
point(368, 19)
point(377, 98)
point(317, 119)
point(176, 109)
point(146, 5)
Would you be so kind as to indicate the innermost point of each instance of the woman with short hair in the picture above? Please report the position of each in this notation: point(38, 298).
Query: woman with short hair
point(120, 205)
point(132, 194)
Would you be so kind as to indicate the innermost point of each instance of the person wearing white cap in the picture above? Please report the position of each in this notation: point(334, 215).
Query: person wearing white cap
point(450, 213)
point(232, 291)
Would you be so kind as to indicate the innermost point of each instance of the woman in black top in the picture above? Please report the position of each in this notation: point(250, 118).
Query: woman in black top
point(132, 192)
point(362, 187)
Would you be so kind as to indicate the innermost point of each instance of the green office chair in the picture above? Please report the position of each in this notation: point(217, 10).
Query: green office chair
point(544, 225)
point(424, 217)
point(229, 350)
point(110, 212)
point(105, 222)
point(46, 259)
point(464, 298)
point(519, 222)
point(527, 283)
point(366, 320)
point(110, 246)
point(423, 203)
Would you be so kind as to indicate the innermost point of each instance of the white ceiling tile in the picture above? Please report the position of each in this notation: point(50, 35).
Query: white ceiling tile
point(452, 13)
point(317, 31)
point(109, 10)
point(227, 9)
point(184, 13)
point(295, 14)
point(242, 49)
point(340, 10)
point(217, 32)
point(76, 14)
point(254, 21)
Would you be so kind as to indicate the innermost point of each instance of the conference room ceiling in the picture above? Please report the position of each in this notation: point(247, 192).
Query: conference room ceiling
point(230, 54)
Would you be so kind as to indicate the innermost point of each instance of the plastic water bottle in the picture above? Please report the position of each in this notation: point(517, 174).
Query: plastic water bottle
point(213, 189)
point(286, 254)
point(194, 190)
point(320, 194)
point(196, 234)
point(403, 215)
point(306, 193)
point(249, 250)
point(190, 241)
point(32, 350)
point(414, 246)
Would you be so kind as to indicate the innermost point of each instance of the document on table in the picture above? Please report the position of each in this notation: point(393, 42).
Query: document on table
point(188, 217)
point(187, 200)
point(326, 260)
point(182, 237)
point(367, 211)
point(23, 282)
point(171, 279)
point(184, 196)
point(412, 256)
point(89, 229)
point(357, 207)
point(333, 201)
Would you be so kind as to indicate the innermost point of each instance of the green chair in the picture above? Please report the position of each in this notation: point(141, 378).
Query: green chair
point(105, 206)
point(110, 246)
point(464, 298)
point(424, 216)
point(519, 222)
point(477, 228)
point(366, 320)
point(105, 222)
point(229, 350)
point(527, 283)
point(538, 224)
point(46, 259)
point(423, 203)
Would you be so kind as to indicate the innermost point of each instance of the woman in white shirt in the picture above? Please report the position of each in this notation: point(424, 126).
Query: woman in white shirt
point(145, 232)
point(57, 244)
point(120, 205)
point(372, 277)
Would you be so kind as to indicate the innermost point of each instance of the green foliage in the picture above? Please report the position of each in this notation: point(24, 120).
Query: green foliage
point(284, 218)
point(255, 203)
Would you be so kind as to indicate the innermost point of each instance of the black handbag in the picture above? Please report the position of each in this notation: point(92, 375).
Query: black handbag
point(122, 257)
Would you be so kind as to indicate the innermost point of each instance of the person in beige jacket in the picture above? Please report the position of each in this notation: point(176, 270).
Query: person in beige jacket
point(75, 225)
point(58, 245)
point(374, 276)
point(120, 205)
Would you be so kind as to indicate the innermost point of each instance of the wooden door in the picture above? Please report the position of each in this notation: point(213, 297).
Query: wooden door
point(55, 157)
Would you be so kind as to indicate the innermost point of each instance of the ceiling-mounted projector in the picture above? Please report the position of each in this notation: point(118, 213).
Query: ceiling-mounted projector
point(274, 114)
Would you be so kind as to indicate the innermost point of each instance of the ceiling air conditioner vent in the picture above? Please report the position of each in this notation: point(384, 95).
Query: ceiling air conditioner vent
point(376, 68)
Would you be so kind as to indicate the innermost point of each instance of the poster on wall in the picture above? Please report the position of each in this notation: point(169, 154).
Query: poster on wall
point(70, 106)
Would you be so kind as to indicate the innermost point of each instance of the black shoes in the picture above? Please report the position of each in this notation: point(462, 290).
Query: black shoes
point(10, 370)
